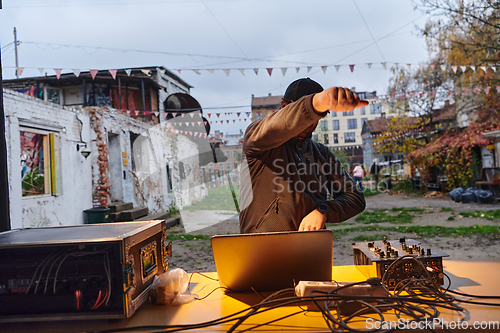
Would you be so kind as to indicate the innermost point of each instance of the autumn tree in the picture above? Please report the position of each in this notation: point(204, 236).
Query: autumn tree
point(463, 39)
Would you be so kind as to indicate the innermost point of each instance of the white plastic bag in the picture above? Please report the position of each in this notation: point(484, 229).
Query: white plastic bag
point(169, 288)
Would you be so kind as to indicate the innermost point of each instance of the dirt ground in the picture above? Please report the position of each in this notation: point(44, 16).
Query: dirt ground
point(196, 255)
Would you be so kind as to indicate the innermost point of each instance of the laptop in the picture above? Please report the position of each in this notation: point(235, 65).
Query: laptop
point(272, 261)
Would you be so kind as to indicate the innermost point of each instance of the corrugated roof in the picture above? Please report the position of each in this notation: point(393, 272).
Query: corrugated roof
point(377, 125)
point(267, 101)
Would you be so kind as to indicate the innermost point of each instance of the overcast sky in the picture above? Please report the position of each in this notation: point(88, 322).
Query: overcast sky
point(221, 35)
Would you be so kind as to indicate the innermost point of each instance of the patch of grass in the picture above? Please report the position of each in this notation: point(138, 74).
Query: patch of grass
point(489, 215)
point(187, 237)
point(411, 209)
point(451, 218)
point(446, 209)
point(427, 231)
point(217, 199)
point(369, 192)
point(363, 238)
point(381, 216)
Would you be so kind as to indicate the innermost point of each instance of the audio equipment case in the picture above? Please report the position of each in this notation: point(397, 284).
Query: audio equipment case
point(91, 271)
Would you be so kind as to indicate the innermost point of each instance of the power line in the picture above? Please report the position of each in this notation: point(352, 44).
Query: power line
point(367, 27)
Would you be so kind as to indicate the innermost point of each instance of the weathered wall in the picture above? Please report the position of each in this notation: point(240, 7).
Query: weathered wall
point(76, 193)
point(145, 152)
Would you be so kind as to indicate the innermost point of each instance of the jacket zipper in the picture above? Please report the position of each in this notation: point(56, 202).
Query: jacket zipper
point(268, 211)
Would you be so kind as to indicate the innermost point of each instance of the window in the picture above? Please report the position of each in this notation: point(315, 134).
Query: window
point(348, 113)
point(352, 123)
point(228, 165)
point(333, 113)
point(221, 166)
point(235, 153)
point(325, 138)
point(53, 95)
point(362, 110)
point(335, 124)
point(335, 138)
point(349, 137)
point(324, 125)
point(235, 165)
point(375, 108)
point(40, 163)
point(228, 154)
point(363, 121)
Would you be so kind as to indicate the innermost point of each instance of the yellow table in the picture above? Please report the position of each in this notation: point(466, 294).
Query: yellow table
point(480, 278)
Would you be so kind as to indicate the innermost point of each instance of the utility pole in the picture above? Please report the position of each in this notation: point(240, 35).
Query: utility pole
point(15, 51)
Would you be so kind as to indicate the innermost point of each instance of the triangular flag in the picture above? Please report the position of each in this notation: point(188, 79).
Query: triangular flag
point(58, 72)
point(196, 71)
point(432, 66)
point(227, 71)
point(477, 90)
point(256, 70)
point(128, 71)
point(369, 65)
point(337, 67)
point(297, 69)
point(283, 70)
point(238, 114)
point(487, 90)
point(156, 113)
point(209, 115)
point(192, 123)
point(211, 71)
point(309, 68)
point(242, 71)
point(20, 71)
point(179, 71)
point(443, 67)
point(466, 91)
point(218, 114)
point(113, 73)
point(494, 68)
point(384, 64)
point(324, 68)
point(192, 114)
point(463, 68)
point(93, 72)
point(484, 68)
point(454, 68)
point(41, 70)
point(498, 89)
point(77, 72)
point(352, 68)
point(269, 71)
point(473, 68)
point(146, 71)
point(409, 66)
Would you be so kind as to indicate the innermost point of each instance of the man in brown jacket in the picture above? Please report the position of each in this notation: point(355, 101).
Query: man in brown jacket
point(288, 181)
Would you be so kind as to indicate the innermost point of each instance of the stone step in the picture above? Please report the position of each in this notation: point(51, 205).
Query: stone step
point(172, 221)
point(120, 206)
point(131, 214)
point(157, 216)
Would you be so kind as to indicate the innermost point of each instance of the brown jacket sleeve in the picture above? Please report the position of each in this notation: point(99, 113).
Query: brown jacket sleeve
point(281, 126)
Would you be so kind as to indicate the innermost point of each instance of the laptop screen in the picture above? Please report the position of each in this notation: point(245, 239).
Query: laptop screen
point(272, 261)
